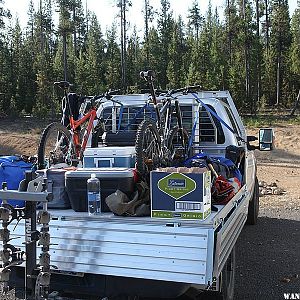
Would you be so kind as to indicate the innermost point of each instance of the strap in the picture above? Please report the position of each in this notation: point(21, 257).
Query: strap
point(215, 115)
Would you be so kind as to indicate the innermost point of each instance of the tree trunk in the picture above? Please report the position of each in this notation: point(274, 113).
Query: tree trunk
point(267, 26)
point(257, 57)
point(74, 32)
point(65, 55)
point(147, 32)
point(246, 58)
point(229, 30)
point(296, 105)
point(123, 41)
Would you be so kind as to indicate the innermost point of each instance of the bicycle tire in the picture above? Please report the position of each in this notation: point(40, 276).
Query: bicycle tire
point(147, 147)
point(177, 147)
point(51, 151)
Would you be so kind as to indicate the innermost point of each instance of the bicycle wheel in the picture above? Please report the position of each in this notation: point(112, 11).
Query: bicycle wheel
point(147, 147)
point(177, 145)
point(56, 147)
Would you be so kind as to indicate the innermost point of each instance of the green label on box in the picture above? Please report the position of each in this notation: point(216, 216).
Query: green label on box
point(176, 185)
point(181, 215)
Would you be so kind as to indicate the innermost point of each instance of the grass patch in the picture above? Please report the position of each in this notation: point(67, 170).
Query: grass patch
point(270, 120)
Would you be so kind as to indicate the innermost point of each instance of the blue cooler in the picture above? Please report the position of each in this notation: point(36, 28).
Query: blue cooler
point(109, 157)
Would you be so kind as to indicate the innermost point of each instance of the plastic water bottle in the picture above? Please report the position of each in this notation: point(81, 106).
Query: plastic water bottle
point(94, 197)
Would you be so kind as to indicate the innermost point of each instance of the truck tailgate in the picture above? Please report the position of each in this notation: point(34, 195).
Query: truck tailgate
point(130, 247)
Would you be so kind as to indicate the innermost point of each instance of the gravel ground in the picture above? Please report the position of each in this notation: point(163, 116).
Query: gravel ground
point(268, 257)
point(268, 254)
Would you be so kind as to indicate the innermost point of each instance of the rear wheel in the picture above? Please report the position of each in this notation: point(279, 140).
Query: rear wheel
point(56, 147)
point(227, 279)
point(253, 208)
point(177, 145)
point(147, 147)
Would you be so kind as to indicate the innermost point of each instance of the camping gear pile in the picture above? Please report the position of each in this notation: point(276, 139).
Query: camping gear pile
point(123, 192)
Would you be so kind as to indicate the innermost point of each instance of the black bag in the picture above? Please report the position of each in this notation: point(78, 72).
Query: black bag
point(75, 102)
point(122, 138)
point(235, 154)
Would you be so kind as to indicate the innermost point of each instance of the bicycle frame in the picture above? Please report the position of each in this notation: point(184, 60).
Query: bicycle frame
point(74, 125)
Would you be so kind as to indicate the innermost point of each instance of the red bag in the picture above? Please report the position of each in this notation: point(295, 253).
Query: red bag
point(223, 190)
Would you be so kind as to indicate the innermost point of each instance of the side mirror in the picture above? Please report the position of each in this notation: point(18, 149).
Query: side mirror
point(266, 139)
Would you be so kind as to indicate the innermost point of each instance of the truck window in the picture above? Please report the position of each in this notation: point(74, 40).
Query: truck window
point(232, 120)
point(210, 127)
point(131, 117)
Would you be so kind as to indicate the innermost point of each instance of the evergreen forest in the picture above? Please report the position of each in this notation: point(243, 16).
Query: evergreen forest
point(252, 49)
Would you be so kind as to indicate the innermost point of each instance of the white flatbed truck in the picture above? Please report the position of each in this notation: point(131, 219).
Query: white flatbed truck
point(107, 256)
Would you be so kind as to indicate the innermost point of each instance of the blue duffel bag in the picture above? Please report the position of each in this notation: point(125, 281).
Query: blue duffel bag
point(12, 171)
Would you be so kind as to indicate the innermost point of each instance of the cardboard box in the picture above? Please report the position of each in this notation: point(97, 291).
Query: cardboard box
point(183, 193)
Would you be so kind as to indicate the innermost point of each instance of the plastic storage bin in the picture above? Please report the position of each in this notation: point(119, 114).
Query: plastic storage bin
point(60, 197)
point(111, 179)
point(109, 157)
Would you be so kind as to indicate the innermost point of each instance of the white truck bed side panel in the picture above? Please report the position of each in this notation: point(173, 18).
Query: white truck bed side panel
point(149, 250)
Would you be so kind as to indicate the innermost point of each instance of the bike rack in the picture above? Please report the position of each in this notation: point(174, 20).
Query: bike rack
point(32, 190)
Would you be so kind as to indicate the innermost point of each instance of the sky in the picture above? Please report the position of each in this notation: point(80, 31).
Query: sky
point(106, 11)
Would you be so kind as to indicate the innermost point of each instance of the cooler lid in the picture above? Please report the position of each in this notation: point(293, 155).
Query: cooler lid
point(109, 151)
point(100, 173)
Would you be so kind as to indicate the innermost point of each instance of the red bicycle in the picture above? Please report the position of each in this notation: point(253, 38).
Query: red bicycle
point(64, 144)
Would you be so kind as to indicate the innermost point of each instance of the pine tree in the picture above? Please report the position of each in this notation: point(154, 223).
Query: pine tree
point(295, 50)
point(93, 80)
point(134, 61)
point(165, 24)
point(43, 57)
point(154, 54)
point(123, 5)
point(195, 18)
point(113, 60)
point(280, 40)
point(148, 18)
point(176, 53)
point(5, 62)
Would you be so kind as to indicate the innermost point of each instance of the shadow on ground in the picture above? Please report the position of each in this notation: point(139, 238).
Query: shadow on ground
point(268, 260)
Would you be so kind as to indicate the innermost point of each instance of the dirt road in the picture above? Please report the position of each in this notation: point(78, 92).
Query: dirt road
point(268, 255)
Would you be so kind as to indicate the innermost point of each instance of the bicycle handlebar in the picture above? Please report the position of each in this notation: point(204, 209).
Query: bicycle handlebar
point(63, 84)
point(108, 95)
point(147, 75)
point(185, 90)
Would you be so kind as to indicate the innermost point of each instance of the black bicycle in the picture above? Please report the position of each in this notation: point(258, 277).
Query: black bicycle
point(164, 141)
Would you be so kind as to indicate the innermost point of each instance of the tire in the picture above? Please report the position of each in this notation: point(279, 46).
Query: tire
point(228, 277)
point(147, 147)
point(97, 134)
point(53, 151)
point(253, 208)
point(177, 148)
point(227, 280)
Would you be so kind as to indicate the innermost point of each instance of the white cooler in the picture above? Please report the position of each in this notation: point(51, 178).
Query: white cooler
point(109, 157)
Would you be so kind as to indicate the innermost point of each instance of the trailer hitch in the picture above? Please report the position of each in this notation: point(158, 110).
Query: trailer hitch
point(33, 190)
